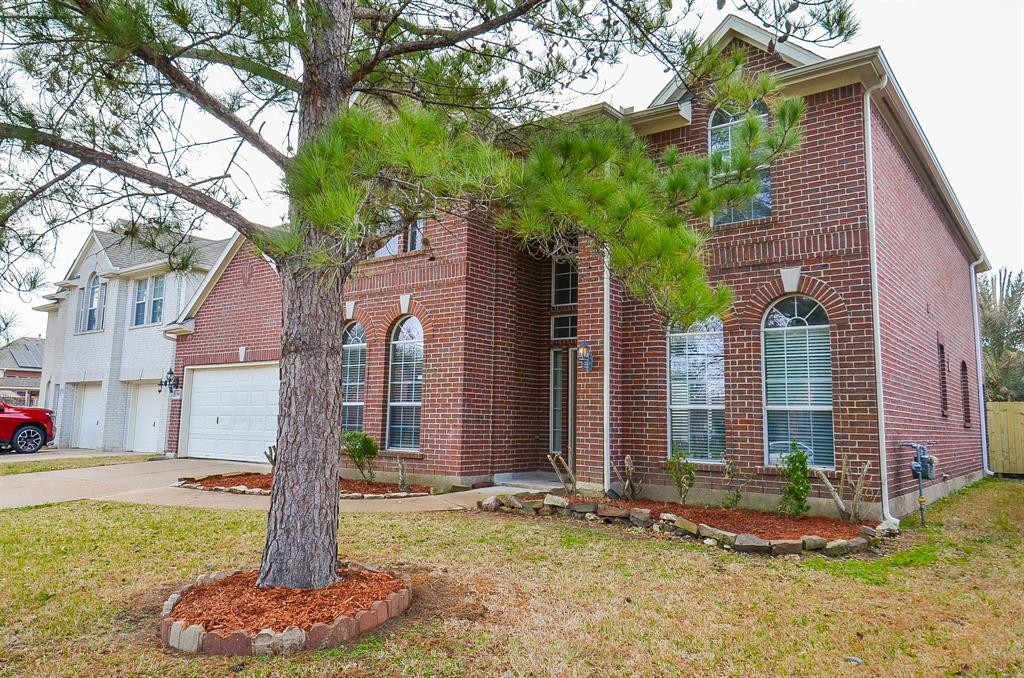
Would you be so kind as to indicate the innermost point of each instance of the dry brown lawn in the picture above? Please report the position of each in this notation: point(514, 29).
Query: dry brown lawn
point(81, 585)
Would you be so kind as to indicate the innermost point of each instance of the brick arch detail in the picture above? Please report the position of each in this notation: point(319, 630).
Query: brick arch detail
point(762, 299)
point(415, 309)
point(363, 318)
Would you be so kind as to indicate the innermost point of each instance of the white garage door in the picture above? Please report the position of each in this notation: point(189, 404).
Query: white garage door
point(89, 407)
point(148, 421)
point(232, 412)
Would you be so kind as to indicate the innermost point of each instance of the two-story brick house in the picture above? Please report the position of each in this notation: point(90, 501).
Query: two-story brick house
point(853, 326)
point(105, 352)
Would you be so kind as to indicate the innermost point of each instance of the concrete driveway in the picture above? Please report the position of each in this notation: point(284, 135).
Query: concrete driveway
point(151, 482)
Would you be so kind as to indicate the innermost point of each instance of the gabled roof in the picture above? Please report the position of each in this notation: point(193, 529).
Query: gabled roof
point(23, 354)
point(734, 27)
point(122, 253)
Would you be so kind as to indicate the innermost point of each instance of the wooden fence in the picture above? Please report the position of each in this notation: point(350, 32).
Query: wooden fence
point(1006, 437)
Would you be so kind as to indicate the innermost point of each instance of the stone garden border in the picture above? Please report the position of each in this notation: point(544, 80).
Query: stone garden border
point(682, 528)
point(194, 639)
point(194, 484)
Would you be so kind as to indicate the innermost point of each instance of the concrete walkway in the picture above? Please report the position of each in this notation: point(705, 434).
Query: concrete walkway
point(50, 453)
point(151, 482)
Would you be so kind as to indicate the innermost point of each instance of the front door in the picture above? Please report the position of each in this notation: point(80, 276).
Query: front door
point(562, 404)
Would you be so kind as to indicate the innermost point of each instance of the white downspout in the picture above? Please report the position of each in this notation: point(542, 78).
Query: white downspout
point(883, 456)
point(979, 366)
point(607, 387)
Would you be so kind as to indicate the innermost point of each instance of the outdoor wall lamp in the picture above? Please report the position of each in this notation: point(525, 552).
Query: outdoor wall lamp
point(170, 382)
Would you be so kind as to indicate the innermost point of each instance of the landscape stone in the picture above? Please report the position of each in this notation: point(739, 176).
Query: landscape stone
point(839, 547)
point(751, 543)
point(868, 532)
point(174, 635)
point(534, 504)
point(584, 507)
point(564, 512)
point(343, 630)
point(716, 534)
point(238, 644)
point(546, 510)
point(641, 517)
point(786, 547)
point(710, 542)
point(317, 636)
point(687, 526)
point(263, 643)
point(191, 639)
point(489, 503)
point(668, 517)
point(165, 629)
point(858, 544)
point(366, 620)
point(813, 542)
point(556, 501)
point(169, 604)
point(591, 516)
point(511, 501)
point(888, 529)
point(612, 511)
point(291, 640)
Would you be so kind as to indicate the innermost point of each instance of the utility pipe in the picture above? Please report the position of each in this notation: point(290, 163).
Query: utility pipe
point(607, 388)
point(979, 367)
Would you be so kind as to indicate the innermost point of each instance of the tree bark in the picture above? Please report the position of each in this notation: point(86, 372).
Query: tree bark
point(301, 549)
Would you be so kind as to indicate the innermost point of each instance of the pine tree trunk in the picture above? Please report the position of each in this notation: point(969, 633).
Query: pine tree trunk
point(301, 549)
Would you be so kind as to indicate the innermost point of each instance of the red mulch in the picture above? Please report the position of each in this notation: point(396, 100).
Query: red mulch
point(262, 481)
point(235, 603)
point(764, 525)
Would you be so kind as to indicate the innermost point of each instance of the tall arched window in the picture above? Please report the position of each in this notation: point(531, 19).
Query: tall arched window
point(696, 388)
point(724, 134)
point(405, 389)
point(92, 300)
point(798, 381)
point(353, 377)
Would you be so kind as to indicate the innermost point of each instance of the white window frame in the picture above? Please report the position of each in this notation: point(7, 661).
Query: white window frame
point(554, 279)
point(149, 300)
point(793, 408)
point(345, 350)
point(669, 408)
point(556, 359)
point(141, 285)
point(153, 298)
point(416, 226)
point(766, 168)
point(92, 298)
point(392, 403)
point(565, 315)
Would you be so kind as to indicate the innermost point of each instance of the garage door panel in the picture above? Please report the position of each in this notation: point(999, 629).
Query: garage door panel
point(233, 412)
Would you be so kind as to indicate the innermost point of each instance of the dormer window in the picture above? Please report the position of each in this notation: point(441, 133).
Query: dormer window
point(723, 136)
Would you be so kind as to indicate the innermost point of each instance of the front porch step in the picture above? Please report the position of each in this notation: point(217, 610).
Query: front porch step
point(535, 481)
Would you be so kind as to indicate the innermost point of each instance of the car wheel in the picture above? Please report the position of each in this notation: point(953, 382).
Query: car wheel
point(29, 439)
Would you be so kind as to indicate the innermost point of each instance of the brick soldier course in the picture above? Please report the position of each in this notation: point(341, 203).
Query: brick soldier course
point(486, 310)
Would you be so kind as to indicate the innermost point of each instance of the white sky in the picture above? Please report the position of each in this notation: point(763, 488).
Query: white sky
point(962, 70)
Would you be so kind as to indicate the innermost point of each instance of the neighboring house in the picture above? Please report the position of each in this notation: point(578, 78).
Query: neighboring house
point(105, 352)
point(853, 327)
point(21, 364)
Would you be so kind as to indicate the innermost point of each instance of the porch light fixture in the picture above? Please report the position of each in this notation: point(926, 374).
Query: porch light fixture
point(170, 382)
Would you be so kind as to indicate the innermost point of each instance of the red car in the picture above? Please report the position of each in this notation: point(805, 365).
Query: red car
point(26, 429)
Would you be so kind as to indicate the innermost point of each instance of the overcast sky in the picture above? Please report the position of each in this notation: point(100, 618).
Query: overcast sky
point(960, 63)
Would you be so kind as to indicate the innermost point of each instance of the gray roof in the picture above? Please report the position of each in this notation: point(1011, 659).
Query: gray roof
point(124, 253)
point(20, 383)
point(25, 353)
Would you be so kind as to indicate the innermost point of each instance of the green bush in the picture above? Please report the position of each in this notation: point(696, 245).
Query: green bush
point(362, 450)
point(795, 470)
point(682, 471)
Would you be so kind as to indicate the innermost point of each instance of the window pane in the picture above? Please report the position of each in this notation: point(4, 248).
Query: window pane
point(388, 248)
point(405, 385)
point(556, 402)
point(352, 418)
point(563, 327)
point(696, 369)
point(414, 236)
point(140, 302)
point(404, 427)
point(566, 283)
point(156, 311)
point(811, 430)
point(700, 433)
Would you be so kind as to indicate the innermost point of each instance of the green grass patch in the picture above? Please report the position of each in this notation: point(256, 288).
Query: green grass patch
point(877, 571)
point(35, 466)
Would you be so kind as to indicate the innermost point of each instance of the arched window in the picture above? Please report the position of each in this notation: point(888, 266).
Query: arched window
point(965, 393)
point(696, 388)
point(353, 377)
point(724, 132)
point(405, 388)
point(92, 300)
point(798, 381)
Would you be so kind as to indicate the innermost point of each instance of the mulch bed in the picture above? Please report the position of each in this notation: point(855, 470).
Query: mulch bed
point(744, 521)
point(235, 603)
point(263, 481)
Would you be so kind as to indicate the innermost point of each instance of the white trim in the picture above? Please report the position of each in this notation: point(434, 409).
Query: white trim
point(390, 360)
point(606, 387)
point(208, 283)
point(979, 368)
point(555, 358)
point(186, 396)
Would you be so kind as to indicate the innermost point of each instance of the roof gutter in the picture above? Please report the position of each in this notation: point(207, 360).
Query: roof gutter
point(979, 367)
point(876, 325)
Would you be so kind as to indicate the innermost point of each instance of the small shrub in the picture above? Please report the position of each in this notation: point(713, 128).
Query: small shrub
point(362, 450)
point(682, 471)
point(735, 481)
point(795, 470)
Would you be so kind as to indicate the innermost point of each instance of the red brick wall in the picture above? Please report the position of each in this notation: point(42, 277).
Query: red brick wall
point(8, 372)
point(819, 223)
point(925, 298)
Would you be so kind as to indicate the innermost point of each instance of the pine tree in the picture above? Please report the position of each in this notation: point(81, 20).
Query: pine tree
point(369, 111)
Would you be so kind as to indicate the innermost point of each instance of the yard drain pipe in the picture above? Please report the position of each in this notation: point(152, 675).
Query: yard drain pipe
point(883, 459)
point(979, 368)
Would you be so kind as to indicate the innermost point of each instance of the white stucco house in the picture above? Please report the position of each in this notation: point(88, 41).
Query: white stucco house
point(105, 351)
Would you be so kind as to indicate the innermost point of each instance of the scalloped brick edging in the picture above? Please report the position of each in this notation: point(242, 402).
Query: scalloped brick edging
point(193, 484)
point(678, 527)
point(194, 639)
